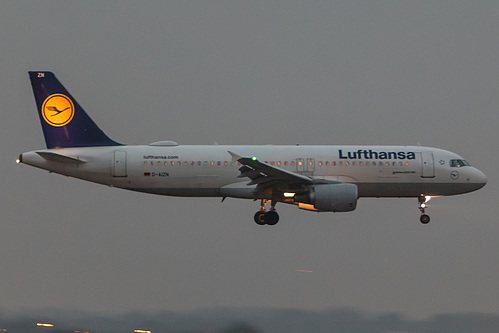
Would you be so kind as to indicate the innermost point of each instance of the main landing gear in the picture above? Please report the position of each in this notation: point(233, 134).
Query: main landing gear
point(425, 219)
point(262, 217)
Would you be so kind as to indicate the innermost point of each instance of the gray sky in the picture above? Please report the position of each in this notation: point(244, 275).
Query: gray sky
point(281, 72)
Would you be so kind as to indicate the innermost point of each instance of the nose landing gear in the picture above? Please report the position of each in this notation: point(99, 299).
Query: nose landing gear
point(425, 219)
point(262, 217)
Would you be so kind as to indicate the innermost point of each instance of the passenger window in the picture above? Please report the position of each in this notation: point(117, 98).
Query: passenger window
point(361, 164)
point(340, 163)
point(272, 163)
point(367, 163)
point(145, 162)
point(285, 163)
point(292, 163)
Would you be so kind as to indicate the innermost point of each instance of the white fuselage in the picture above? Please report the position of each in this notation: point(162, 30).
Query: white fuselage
point(314, 178)
point(210, 171)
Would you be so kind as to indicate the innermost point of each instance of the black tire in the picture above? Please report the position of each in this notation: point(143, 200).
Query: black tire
point(425, 219)
point(259, 218)
point(271, 218)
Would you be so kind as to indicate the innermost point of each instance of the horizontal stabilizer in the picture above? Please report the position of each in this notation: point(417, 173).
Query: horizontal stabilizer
point(49, 156)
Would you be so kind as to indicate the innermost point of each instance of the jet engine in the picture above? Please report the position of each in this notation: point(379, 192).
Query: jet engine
point(330, 197)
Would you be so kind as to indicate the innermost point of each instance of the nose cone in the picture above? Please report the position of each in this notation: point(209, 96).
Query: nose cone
point(479, 179)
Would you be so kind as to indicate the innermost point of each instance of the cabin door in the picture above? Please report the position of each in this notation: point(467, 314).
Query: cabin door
point(428, 166)
point(119, 166)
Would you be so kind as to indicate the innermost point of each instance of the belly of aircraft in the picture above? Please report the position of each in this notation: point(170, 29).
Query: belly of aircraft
point(374, 189)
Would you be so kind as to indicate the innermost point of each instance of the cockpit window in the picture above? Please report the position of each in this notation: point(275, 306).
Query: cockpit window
point(458, 163)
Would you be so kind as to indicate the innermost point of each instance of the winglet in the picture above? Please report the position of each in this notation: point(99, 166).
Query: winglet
point(235, 157)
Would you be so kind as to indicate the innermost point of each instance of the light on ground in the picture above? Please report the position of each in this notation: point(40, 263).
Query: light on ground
point(44, 325)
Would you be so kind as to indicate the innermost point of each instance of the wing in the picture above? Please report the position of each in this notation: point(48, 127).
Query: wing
point(266, 176)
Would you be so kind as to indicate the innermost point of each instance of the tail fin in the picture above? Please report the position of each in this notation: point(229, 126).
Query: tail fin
point(64, 122)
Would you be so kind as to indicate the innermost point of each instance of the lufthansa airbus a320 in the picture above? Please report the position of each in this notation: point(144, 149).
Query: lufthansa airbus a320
point(314, 178)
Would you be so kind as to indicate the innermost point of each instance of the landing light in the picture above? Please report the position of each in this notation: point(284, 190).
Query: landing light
point(427, 198)
point(289, 194)
point(18, 161)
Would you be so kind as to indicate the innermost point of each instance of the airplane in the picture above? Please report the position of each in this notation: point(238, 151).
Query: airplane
point(319, 178)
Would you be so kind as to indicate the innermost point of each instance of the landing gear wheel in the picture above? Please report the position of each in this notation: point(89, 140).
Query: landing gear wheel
point(425, 219)
point(259, 217)
point(271, 217)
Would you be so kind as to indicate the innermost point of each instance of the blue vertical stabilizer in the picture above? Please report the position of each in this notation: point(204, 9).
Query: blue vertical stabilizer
point(64, 122)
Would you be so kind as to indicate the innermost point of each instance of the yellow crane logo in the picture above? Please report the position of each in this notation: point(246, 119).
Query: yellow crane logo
point(58, 110)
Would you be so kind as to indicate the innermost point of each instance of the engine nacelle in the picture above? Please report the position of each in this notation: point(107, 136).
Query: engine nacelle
point(331, 197)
